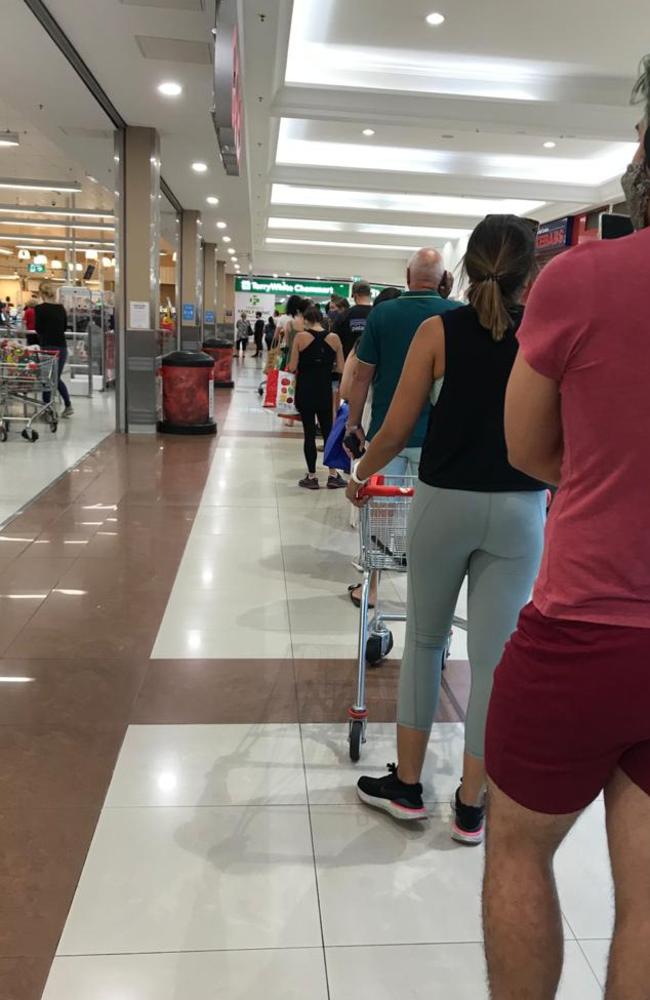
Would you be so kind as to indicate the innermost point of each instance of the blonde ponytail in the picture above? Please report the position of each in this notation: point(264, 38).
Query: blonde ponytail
point(487, 298)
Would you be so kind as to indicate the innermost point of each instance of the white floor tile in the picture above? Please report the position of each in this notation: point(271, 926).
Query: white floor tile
point(450, 971)
point(332, 777)
point(584, 876)
point(597, 953)
point(235, 975)
point(210, 765)
point(177, 643)
point(170, 879)
point(384, 883)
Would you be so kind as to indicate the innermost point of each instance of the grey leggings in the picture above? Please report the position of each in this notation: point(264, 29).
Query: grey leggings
point(495, 539)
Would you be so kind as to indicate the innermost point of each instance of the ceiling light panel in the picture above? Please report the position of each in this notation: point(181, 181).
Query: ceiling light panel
point(297, 195)
point(328, 226)
point(342, 155)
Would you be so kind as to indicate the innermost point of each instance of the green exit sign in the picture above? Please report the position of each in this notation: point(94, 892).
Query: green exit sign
point(36, 268)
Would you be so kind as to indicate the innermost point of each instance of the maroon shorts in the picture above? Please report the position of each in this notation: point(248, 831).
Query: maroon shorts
point(571, 703)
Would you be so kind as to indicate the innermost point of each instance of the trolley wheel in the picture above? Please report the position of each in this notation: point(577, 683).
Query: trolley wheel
point(378, 646)
point(356, 739)
point(30, 434)
point(54, 426)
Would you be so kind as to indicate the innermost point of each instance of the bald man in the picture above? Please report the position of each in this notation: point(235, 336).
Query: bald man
point(381, 353)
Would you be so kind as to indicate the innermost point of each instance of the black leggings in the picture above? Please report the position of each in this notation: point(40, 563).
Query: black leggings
point(309, 415)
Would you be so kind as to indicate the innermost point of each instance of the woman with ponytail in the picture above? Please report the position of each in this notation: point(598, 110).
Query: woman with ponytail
point(473, 515)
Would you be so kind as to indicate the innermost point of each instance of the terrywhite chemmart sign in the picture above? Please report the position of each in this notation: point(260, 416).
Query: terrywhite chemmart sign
point(282, 286)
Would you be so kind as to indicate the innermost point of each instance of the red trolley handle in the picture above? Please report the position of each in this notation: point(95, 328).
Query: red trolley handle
point(375, 487)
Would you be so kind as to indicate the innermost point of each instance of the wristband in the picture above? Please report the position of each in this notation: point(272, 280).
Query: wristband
point(354, 477)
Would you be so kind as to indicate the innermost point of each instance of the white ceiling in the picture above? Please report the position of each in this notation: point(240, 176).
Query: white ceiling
point(460, 114)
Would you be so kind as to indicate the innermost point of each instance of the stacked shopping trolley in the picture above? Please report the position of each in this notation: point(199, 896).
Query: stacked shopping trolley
point(28, 387)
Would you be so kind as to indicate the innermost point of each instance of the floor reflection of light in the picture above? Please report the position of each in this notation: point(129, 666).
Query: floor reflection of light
point(25, 597)
point(75, 541)
point(100, 506)
point(69, 593)
point(167, 781)
point(16, 680)
point(14, 538)
point(193, 639)
point(92, 524)
point(207, 576)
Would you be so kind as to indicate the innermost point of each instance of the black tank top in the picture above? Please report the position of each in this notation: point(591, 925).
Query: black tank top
point(465, 447)
point(317, 356)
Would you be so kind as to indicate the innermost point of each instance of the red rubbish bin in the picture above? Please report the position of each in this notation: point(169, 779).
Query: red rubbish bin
point(221, 352)
point(186, 393)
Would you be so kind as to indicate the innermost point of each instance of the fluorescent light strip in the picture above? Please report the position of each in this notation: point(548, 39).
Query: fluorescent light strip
point(328, 226)
point(331, 243)
point(428, 204)
point(57, 225)
point(81, 213)
point(29, 185)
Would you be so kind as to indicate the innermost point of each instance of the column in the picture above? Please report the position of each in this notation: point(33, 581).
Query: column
point(191, 304)
point(209, 290)
point(221, 299)
point(137, 275)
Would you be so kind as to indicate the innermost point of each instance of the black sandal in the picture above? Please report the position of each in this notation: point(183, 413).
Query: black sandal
point(357, 600)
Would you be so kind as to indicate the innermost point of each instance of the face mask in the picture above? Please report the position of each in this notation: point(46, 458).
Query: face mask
point(636, 185)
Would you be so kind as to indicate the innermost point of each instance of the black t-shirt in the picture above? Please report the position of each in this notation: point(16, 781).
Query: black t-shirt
point(259, 327)
point(51, 323)
point(465, 447)
point(350, 326)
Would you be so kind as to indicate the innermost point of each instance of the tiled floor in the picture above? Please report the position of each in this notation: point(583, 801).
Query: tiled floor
point(176, 662)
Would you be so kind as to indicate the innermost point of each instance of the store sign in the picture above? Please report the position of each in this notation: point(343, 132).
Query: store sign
point(208, 316)
point(555, 235)
point(188, 312)
point(289, 286)
point(36, 268)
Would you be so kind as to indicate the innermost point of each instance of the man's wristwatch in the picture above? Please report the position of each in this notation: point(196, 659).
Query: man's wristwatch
point(354, 477)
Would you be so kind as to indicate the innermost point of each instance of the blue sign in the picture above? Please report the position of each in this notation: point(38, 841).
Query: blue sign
point(209, 316)
point(188, 312)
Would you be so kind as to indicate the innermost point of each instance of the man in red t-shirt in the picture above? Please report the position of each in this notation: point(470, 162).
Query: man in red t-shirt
point(570, 709)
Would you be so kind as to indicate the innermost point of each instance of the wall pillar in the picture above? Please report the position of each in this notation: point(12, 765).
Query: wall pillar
point(209, 290)
point(137, 275)
point(191, 302)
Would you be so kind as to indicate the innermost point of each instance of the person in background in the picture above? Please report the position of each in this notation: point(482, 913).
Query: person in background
point(570, 710)
point(472, 515)
point(337, 307)
point(296, 307)
point(29, 321)
point(258, 333)
point(315, 354)
point(242, 332)
point(269, 330)
point(386, 294)
point(51, 323)
point(380, 357)
point(351, 323)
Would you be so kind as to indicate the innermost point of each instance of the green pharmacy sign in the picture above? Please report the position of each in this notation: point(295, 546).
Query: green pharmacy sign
point(307, 287)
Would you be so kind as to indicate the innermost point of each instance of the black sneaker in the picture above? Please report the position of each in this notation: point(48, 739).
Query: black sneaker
point(336, 482)
point(393, 796)
point(308, 483)
point(467, 822)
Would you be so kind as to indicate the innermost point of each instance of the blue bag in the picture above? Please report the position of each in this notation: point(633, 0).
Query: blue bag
point(334, 455)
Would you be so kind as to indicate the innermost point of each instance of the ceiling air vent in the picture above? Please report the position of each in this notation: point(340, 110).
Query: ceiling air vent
point(167, 4)
point(174, 49)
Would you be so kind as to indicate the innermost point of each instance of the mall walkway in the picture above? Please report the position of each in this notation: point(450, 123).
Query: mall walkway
point(177, 661)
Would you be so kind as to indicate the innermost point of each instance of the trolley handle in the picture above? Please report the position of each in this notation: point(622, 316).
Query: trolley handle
point(376, 487)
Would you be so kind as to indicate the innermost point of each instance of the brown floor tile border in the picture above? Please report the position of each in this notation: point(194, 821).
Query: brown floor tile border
point(23, 978)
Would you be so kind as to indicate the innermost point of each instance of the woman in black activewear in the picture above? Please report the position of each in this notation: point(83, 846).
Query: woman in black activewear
point(315, 355)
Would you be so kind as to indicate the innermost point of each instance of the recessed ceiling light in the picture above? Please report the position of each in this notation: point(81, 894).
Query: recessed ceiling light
point(275, 275)
point(287, 274)
point(226, 239)
point(170, 89)
point(199, 167)
point(368, 131)
point(550, 144)
point(222, 225)
point(435, 19)
point(212, 200)
point(230, 251)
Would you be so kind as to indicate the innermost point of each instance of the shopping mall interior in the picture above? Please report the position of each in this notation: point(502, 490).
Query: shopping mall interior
point(179, 651)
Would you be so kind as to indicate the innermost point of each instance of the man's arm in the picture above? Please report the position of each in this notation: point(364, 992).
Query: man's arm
point(533, 423)
point(360, 381)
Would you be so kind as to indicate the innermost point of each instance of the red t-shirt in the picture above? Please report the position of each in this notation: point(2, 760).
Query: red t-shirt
point(29, 318)
point(587, 327)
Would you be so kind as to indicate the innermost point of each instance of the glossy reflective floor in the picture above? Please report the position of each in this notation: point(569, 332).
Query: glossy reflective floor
point(179, 817)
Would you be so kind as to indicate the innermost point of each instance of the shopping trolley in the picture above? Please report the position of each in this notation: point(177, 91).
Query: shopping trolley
point(383, 523)
point(25, 376)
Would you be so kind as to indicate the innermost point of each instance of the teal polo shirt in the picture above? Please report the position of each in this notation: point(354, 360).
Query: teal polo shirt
point(390, 328)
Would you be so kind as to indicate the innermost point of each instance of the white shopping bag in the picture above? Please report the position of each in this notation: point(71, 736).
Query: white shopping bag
point(286, 401)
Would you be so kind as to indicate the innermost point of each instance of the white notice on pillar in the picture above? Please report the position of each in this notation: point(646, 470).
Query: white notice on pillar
point(139, 316)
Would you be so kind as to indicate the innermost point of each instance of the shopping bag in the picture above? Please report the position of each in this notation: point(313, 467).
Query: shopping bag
point(272, 359)
point(334, 455)
point(271, 392)
point(286, 404)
